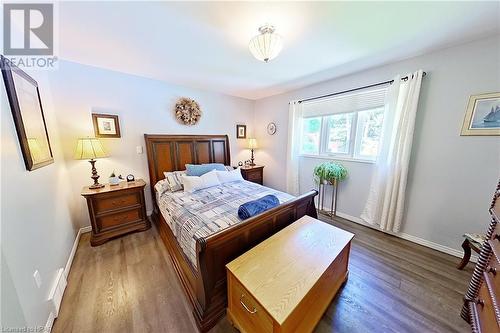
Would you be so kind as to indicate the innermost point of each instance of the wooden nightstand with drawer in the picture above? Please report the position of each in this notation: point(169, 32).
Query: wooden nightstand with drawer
point(253, 174)
point(116, 210)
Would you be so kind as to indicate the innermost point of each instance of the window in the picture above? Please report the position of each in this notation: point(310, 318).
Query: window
point(338, 133)
point(311, 130)
point(369, 132)
point(345, 127)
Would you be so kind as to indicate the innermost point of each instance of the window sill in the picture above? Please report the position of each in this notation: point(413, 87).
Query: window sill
point(338, 158)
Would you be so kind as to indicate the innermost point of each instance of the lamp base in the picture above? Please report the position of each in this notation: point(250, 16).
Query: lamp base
point(94, 176)
point(251, 159)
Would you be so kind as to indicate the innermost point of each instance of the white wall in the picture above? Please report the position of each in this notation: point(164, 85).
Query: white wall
point(36, 227)
point(143, 106)
point(451, 178)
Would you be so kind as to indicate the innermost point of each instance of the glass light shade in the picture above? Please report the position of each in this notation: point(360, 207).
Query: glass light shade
point(267, 45)
point(252, 144)
point(89, 148)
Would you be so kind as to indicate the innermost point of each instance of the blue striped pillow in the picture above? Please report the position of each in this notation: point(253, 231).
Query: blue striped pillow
point(201, 169)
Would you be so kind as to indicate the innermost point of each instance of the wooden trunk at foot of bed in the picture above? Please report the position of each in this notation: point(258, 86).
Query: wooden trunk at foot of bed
point(205, 287)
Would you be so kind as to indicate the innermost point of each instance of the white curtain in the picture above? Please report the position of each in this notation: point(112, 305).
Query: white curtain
point(292, 151)
point(385, 205)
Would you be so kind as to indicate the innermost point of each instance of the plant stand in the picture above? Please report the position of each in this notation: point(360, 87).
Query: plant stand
point(322, 189)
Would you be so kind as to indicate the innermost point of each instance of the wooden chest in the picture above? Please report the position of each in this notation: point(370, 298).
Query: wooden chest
point(285, 283)
point(116, 210)
point(485, 308)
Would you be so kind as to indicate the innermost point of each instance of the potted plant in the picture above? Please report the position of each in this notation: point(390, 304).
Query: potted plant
point(113, 179)
point(329, 173)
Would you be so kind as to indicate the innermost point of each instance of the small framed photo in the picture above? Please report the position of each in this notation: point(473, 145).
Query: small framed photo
point(483, 115)
point(241, 131)
point(106, 125)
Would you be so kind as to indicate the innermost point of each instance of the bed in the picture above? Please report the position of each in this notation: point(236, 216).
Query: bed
point(199, 255)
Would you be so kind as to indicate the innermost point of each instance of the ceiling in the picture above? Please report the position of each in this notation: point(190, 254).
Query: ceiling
point(205, 44)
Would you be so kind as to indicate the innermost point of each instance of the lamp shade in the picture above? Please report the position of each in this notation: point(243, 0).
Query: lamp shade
point(252, 144)
point(267, 45)
point(89, 148)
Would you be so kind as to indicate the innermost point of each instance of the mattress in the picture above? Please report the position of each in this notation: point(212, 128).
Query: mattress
point(191, 216)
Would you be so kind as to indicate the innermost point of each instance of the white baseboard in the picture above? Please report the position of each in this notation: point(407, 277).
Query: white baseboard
point(411, 238)
point(57, 291)
point(73, 249)
point(50, 322)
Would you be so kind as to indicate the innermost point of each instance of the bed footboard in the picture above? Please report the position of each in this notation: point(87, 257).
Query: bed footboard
point(216, 250)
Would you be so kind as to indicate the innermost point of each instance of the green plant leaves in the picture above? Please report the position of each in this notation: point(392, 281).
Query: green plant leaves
point(329, 171)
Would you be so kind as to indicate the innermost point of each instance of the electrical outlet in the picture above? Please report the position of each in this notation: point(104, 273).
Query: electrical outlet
point(38, 279)
point(138, 149)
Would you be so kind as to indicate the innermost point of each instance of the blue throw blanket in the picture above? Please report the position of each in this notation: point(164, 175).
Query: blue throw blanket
point(252, 208)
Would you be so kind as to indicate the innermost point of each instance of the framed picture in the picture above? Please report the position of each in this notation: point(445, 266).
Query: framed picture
point(483, 115)
point(27, 111)
point(241, 131)
point(106, 125)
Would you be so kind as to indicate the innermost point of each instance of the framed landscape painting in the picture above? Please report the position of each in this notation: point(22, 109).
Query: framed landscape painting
point(483, 115)
point(106, 125)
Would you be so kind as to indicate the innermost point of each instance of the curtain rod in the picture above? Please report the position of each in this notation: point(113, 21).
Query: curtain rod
point(355, 89)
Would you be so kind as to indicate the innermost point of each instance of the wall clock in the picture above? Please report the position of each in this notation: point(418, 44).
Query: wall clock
point(271, 128)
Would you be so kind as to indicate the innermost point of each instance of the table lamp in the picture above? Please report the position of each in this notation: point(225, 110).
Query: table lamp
point(90, 149)
point(252, 144)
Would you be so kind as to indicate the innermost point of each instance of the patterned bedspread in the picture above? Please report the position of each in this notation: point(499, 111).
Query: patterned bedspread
point(204, 212)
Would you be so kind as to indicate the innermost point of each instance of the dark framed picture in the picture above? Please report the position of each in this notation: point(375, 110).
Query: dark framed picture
point(241, 131)
point(483, 115)
point(106, 125)
point(27, 111)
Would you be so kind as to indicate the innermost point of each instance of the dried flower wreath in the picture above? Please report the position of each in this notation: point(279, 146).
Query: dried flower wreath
point(187, 111)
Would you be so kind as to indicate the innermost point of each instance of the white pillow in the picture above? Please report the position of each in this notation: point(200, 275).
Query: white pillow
point(162, 186)
point(229, 176)
point(194, 183)
point(174, 180)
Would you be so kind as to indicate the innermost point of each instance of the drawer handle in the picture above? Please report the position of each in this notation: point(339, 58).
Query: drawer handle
point(245, 306)
point(497, 237)
point(491, 270)
point(479, 302)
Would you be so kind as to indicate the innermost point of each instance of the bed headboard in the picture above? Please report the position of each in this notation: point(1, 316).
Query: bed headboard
point(172, 152)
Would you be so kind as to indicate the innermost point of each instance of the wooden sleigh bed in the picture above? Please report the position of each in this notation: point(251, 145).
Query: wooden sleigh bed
point(205, 286)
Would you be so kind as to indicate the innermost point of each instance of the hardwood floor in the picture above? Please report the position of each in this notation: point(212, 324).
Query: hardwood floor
point(129, 285)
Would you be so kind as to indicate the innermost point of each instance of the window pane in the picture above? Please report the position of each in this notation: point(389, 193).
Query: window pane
point(369, 132)
point(311, 128)
point(338, 133)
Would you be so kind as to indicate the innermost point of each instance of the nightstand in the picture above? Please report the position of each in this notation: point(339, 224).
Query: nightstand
point(116, 210)
point(253, 174)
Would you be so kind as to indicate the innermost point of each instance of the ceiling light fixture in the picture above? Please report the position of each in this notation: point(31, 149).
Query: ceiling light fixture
point(267, 45)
